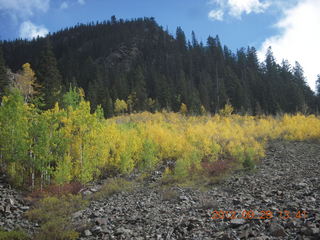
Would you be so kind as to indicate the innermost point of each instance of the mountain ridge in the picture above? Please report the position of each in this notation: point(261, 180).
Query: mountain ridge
point(116, 59)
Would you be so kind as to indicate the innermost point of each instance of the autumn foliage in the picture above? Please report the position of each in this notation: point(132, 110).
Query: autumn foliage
point(72, 144)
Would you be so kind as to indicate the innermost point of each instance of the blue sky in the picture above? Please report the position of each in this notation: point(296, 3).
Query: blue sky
point(289, 26)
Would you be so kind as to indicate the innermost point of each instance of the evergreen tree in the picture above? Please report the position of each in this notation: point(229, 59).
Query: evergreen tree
point(139, 60)
point(49, 76)
point(318, 86)
point(4, 79)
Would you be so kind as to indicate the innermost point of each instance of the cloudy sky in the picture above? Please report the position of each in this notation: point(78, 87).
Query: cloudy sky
point(290, 27)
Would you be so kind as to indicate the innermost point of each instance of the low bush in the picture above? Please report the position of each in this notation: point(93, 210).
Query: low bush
point(54, 215)
point(169, 194)
point(13, 235)
point(113, 186)
point(55, 190)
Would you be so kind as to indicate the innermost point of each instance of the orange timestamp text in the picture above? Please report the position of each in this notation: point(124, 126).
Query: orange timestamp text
point(253, 214)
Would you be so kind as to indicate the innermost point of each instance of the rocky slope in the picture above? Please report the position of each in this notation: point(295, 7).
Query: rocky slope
point(12, 209)
point(287, 179)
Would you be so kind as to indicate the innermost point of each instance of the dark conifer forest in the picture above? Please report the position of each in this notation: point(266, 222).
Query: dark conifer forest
point(140, 62)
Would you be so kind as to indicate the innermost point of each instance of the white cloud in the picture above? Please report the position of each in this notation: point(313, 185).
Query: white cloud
point(81, 2)
point(29, 30)
point(299, 38)
point(64, 5)
point(216, 15)
point(236, 8)
point(23, 8)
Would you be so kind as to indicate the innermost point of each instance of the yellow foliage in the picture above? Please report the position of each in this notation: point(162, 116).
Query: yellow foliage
point(82, 145)
point(183, 108)
point(226, 111)
point(120, 106)
point(26, 82)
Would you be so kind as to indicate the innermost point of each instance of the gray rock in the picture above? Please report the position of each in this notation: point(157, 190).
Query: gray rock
point(24, 208)
point(96, 230)
point(183, 198)
point(10, 201)
point(277, 230)
point(123, 231)
point(87, 233)
point(77, 214)
point(8, 209)
point(315, 231)
point(87, 193)
point(101, 221)
point(237, 222)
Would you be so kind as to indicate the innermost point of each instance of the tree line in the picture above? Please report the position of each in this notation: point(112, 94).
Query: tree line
point(136, 65)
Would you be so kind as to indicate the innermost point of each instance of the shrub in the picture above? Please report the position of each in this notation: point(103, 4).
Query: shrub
point(169, 194)
point(216, 168)
point(226, 111)
point(13, 235)
point(54, 215)
point(113, 186)
point(149, 155)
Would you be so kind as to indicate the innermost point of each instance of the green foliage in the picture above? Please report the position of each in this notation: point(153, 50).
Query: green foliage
point(226, 111)
point(14, 137)
point(203, 110)
point(54, 215)
point(71, 98)
point(249, 162)
point(13, 235)
point(120, 106)
point(169, 194)
point(169, 73)
point(49, 75)
point(183, 108)
point(57, 229)
point(113, 186)
point(149, 155)
point(4, 79)
point(75, 144)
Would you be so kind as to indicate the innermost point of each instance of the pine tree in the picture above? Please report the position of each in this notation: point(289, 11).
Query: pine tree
point(49, 76)
point(318, 86)
point(4, 80)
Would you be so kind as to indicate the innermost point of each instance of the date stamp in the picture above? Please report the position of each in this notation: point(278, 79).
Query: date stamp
point(254, 214)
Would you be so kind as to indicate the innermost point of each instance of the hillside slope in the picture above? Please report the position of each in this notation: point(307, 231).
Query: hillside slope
point(137, 60)
point(286, 180)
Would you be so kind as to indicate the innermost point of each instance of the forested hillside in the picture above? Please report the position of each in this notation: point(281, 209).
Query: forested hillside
point(141, 63)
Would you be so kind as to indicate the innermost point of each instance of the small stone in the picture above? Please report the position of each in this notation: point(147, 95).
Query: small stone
point(315, 231)
point(302, 185)
point(96, 230)
point(312, 199)
point(277, 230)
point(87, 233)
point(8, 209)
point(124, 231)
point(244, 234)
point(11, 201)
point(101, 221)
point(87, 193)
point(24, 208)
point(236, 201)
point(77, 214)
point(237, 222)
point(159, 237)
point(95, 215)
point(184, 198)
